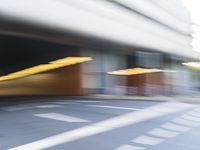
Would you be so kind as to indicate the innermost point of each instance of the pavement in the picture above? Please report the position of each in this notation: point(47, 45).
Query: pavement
point(99, 124)
point(178, 98)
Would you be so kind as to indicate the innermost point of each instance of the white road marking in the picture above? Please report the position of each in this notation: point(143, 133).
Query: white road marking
point(16, 108)
point(63, 103)
point(130, 147)
point(175, 127)
point(195, 114)
point(113, 107)
point(147, 140)
point(182, 121)
point(191, 118)
point(105, 126)
point(197, 110)
point(48, 106)
point(168, 107)
point(82, 101)
point(163, 133)
point(61, 117)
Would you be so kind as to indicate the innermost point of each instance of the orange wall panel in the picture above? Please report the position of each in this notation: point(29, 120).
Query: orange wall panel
point(62, 81)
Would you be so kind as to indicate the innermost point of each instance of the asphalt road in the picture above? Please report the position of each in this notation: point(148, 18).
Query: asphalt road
point(100, 125)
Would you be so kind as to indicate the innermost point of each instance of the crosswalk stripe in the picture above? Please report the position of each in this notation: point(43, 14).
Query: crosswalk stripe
point(182, 121)
point(60, 117)
point(105, 126)
point(193, 113)
point(147, 140)
point(191, 118)
point(130, 147)
point(197, 110)
point(175, 127)
point(163, 133)
point(113, 107)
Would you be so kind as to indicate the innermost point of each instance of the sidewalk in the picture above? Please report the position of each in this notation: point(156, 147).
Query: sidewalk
point(188, 99)
point(15, 100)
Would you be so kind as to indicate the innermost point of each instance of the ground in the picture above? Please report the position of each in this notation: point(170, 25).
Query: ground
point(64, 124)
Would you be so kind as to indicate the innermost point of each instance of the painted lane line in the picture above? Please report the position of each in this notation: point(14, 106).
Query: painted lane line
point(103, 126)
point(48, 106)
point(175, 127)
point(113, 107)
point(63, 103)
point(197, 110)
point(163, 133)
point(25, 107)
point(130, 147)
point(191, 118)
point(170, 106)
point(16, 108)
point(195, 114)
point(61, 117)
point(11, 109)
point(147, 140)
point(82, 101)
point(182, 121)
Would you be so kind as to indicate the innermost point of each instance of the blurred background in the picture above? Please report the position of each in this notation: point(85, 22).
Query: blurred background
point(99, 74)
point(99, 47)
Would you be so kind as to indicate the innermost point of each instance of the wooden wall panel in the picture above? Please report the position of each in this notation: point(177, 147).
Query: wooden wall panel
point(62, 81)
point(141, 81)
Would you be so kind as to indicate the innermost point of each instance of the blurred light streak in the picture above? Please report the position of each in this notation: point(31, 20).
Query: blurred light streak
point(134, 71)
point(105, 20)
point(194, 65)
point(46, 67)
point(151, 10)
point(193, 7)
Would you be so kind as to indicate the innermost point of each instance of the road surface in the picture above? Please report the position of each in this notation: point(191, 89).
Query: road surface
point(65, 124)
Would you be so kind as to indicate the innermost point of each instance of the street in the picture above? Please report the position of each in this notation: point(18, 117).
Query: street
point(80, 124)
